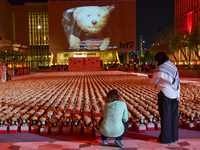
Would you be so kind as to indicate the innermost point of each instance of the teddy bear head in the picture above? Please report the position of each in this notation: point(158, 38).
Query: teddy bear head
point(92, 19)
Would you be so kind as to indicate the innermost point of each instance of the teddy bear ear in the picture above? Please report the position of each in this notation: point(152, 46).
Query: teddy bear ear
point(77, 11)
point(109, 8)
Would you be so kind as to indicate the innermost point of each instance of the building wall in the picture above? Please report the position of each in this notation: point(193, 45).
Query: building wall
point(106, 57)
point(187, 15)
point(167, 32)
point(21, 13)
point(27, 33)
point(21, 24)
point(39, 55)
point(6, 20)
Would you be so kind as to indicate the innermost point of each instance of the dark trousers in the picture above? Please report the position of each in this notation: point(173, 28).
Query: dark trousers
point(117, 138)
point(168, 109)
point(7, 76)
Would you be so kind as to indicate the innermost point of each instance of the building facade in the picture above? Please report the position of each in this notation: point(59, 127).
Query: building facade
point(39, 25)
point(165, 33)
point(187, 17)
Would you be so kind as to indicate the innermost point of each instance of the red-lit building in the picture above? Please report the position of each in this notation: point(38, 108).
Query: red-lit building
point(187, 15)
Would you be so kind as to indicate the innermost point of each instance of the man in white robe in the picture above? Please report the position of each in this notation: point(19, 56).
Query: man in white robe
point(3, 73)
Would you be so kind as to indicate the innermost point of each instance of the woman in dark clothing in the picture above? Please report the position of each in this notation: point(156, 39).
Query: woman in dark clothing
point(166, 80)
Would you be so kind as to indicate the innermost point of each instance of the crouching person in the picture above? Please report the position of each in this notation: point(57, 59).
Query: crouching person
point(114, 120)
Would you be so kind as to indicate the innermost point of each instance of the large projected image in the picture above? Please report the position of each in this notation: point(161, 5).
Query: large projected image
point(86, 27)
point(92, 26)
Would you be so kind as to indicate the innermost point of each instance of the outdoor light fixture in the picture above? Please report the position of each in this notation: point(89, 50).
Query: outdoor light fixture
point(80, 55)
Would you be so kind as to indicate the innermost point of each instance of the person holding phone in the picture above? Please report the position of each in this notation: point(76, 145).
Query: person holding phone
point(166, 81)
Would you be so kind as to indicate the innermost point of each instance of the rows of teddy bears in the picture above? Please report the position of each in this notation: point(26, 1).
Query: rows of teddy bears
point(78, 99)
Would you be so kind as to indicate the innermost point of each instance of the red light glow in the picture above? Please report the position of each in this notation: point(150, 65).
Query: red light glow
point(189, 22)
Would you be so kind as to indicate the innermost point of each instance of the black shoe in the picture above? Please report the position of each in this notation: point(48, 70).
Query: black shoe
point(159, 141)
point(163, 142)
point(175, 141)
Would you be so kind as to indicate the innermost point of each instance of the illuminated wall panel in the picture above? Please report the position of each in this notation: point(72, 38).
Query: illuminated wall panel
point(187, 15)
point(69, 32)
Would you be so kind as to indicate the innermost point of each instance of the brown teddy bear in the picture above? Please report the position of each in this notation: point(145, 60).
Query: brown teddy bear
point(87, 121)
point(43, 122)
point(3, 122)
point(65, 122)
point(13, 121)
point(24, 120)
point(76, 120)
point(34, 120)
point(54, 122)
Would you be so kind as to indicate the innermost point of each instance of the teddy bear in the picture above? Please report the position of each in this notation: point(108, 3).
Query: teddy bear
point(24, 120)
point(87, 121)
point(3, 122)
point(34, 120)
point(76, 120)
point(86, 27)
point(13, 121)
point(150, 118)
point(50, 114)
point(54, 122)
point(43, 122)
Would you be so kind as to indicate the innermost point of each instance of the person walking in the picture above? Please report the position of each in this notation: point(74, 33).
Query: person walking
point(166, 80)
point(114, 120)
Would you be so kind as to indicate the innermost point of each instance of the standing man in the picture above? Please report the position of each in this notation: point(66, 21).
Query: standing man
point(3, 73)
point(126, 67)
point(0, 68)
point(166, 81)
point(7, 72)
point(119, 67)
point(136, 66)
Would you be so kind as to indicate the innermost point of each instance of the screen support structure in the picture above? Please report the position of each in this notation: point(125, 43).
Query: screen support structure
point(7, 53)
point(16, 54)
point(118, 57)
point(25, 55)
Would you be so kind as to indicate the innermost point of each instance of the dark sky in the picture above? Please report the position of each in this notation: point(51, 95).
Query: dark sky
point(150, 15)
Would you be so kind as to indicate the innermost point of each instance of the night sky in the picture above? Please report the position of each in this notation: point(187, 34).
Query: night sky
point(150, 15)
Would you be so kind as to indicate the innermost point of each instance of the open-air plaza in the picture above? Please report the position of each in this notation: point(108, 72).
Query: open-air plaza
point(99, 75)
point(61, 110)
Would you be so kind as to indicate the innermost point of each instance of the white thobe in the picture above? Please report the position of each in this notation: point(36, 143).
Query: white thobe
point(3, 73)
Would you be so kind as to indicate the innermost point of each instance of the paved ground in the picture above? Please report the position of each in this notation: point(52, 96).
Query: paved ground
point(189, 140)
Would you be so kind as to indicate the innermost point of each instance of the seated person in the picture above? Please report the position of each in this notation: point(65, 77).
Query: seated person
point(114, 120)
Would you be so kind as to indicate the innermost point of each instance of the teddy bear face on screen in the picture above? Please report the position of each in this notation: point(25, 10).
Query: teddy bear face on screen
point(92, 19)
point(87, 23)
